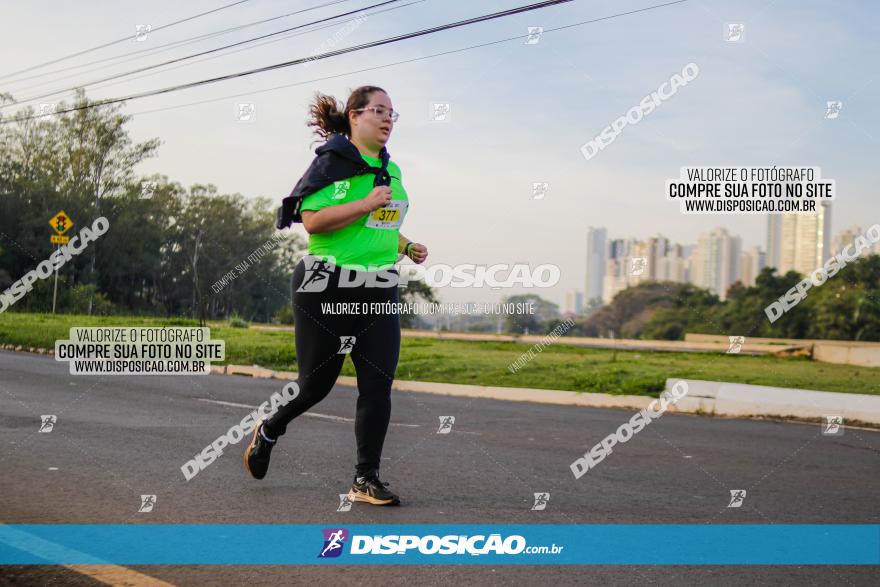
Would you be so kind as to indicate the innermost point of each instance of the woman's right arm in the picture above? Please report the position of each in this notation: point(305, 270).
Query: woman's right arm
point(341, 215)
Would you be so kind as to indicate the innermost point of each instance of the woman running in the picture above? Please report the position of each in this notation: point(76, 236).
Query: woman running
point(353, 222)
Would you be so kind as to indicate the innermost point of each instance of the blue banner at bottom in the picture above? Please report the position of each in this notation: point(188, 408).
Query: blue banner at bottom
point(526, 544)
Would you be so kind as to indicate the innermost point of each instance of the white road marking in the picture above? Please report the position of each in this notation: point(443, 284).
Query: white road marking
point(222, 403)
point(309, 414)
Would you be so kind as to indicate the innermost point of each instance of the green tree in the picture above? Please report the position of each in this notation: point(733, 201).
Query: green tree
point(544, 317)
point(847, 306)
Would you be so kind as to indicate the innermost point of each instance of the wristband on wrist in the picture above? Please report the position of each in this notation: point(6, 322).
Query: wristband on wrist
point(406, 248)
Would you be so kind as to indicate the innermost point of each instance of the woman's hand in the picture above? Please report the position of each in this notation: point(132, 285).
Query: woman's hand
point(418, 253)
point(378, 198)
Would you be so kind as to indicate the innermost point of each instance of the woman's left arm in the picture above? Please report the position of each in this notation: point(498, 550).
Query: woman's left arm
point(417, 252)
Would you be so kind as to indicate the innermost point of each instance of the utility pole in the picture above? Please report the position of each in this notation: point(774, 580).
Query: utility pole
point(60, 223)
point(55, 290)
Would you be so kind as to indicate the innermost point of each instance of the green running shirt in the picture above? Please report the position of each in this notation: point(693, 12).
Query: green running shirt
point(370, 242)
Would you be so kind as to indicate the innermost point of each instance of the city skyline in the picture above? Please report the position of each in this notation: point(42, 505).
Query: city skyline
point(718, 259)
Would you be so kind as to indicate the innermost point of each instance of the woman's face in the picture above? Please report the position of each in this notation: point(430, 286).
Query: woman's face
point(368, 126)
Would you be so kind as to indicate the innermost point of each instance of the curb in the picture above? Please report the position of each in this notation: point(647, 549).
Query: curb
point(518, 394)
point(21, 349)
point(710, 398)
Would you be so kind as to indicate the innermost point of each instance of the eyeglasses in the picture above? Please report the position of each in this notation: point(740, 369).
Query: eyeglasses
point(380, 111)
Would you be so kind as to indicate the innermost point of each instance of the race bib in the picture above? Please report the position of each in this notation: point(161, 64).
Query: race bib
point(391, 216)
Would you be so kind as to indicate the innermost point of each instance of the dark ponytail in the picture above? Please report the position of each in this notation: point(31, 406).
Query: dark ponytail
point(324, 114)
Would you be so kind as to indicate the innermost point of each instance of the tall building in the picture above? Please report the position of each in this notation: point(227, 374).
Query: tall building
point(845, 237)
point(716, 261)
point(619, 247)
point(687, 250)
point(672, 266)
point(658, 247)
point(596, 257)
point(618, 266)
point(799, 242)
point(574, 303)
point(641, 266)
point(774, 235)
point(751, 263)
point(631, 262)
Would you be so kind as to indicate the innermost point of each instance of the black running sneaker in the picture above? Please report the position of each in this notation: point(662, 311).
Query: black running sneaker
point(371, 490)
point(256, 456)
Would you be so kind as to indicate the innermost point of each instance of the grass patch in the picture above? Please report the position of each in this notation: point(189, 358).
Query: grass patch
point(559, 366)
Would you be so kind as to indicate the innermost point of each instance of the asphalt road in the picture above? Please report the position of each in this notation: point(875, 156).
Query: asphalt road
point(118, 437)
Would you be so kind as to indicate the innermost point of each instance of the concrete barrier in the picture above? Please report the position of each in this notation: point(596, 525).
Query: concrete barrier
point(708, 346)
point(700, 397)
point(714, 344)
point(720, 338)
point(693, 343)
point(841, 352)
point(740, 399)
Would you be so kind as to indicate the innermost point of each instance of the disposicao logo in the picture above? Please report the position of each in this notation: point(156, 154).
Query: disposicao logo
point(334, 541)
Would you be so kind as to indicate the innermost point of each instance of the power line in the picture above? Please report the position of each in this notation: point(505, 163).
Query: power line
point(159, 48)
point(318, 79)
point(122, 40)
point(207, 52)
point(330, 53)
point(325, 26)
point(405, 61)
point(348, 50)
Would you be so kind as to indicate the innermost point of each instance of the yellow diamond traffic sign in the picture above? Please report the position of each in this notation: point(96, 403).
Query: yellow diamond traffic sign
point(61, 222)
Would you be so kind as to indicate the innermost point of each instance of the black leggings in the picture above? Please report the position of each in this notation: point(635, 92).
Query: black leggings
point(324, 338)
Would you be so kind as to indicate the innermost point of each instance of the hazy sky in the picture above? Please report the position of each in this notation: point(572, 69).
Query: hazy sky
point(519, 112)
